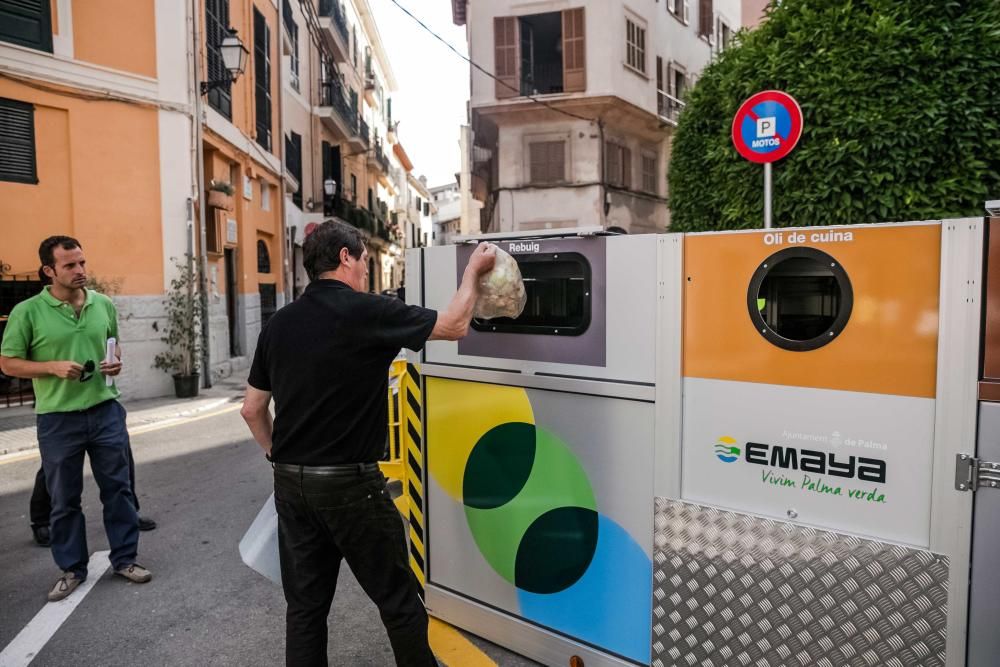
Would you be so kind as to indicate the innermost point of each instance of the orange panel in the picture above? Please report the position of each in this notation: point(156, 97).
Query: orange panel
point(889, 345)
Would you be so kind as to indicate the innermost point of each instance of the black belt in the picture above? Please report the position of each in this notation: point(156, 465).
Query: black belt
point(338, 470)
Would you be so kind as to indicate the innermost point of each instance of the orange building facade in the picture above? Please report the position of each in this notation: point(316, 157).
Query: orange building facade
point(98, 108)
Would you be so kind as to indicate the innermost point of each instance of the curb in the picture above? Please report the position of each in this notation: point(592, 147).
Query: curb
point(168, 414)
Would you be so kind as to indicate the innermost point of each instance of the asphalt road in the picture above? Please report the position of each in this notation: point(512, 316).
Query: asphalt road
point(203, 482)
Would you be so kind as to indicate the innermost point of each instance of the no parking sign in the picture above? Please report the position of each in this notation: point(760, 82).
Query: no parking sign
point(765, 129)
point(767, 126)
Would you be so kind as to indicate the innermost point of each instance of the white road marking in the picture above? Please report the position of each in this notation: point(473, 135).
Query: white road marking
point(36, 634)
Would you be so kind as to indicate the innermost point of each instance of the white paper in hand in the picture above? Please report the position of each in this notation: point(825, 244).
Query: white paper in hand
point(259, 547)
point(109, 356)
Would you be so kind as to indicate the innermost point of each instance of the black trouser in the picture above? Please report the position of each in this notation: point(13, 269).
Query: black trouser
point(40, 506)
point(322, 519)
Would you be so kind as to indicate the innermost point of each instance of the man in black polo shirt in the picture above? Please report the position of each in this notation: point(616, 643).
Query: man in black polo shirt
point(325, 359)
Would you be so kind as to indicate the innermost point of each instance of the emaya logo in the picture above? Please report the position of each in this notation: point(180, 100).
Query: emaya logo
point(807, 460)
point(726, 449)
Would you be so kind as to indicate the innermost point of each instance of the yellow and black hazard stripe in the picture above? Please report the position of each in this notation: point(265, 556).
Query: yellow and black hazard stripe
point(414, 455)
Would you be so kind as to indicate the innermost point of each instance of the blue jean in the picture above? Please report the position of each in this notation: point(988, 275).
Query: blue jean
point(63, 439)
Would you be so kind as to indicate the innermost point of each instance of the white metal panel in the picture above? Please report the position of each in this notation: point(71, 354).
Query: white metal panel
point(762, 479)
point(955, 421)
point(669, 341)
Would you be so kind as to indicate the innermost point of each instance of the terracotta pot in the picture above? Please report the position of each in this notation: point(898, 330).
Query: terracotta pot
point(217, 199)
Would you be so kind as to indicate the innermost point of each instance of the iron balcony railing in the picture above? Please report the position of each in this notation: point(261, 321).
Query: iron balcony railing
point(333, 94)
point(335, 11)
point(380, 156)
point(363, 132)
point(668, 107)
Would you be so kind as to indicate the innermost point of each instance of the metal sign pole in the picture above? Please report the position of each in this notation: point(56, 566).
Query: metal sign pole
point(767, 195)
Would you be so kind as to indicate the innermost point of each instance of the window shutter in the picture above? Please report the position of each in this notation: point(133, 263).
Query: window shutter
point(705, 18)
point(216, 22)
point(262, 78)
point(17, 142)
point(627, 168)
point(612, 163)
point(27, 23)
point(687, 11)
point(574, 51)
point(506, 50)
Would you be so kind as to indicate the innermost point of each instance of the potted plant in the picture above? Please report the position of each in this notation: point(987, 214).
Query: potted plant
point(220, 195)
point(182, 332)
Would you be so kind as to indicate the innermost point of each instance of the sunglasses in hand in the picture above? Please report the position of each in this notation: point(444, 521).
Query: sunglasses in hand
point(88, 370)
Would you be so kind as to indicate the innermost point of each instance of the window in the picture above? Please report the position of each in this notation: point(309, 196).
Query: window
point(220, 98)
point(268, 301)
point(265, 196)
point(354, 38)
point(800, 299)
point(540, 54)
point(617, 165)
point(681, 9)
point(293, 32)
point(725, 36)
point(635, 46)
point(706, 19)
point(262, 74)
point(547, 161)
point(678, 83)
point(558, 288)
point(427, 208)
point(293, 161)
point(17, 142)
point(26, 23)
point(263, 257)
point(354, 188)
point(649, 180)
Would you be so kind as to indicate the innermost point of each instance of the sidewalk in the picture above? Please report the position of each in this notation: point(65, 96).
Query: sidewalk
point(17, 425)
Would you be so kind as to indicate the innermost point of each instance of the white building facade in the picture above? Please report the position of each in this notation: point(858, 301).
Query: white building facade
point(576, 128)
point(339, 132)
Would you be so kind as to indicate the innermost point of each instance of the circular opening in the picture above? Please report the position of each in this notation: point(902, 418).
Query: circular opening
point(800, 299)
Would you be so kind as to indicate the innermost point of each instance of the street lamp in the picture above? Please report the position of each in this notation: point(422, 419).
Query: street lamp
point(330, 187)
point(234, 58)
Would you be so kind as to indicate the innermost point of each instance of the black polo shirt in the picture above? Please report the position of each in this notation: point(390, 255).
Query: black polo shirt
point(325, 358)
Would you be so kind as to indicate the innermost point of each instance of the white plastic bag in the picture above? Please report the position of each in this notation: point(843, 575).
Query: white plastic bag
point(501, 291)
point(259, 547)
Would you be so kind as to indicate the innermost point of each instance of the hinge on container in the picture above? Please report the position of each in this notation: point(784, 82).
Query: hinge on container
point(972, 473)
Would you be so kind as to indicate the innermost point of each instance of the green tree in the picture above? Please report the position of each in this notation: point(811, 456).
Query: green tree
point(901, 107)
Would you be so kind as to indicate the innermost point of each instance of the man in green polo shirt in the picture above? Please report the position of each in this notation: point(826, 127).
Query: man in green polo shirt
point(58, 339)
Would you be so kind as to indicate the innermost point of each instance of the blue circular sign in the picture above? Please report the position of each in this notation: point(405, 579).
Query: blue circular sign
point(767, 126)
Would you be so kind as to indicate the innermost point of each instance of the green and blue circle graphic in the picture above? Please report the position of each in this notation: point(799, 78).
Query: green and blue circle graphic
point(533, 515)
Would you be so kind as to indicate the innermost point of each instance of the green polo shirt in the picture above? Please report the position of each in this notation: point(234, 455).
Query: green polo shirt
point(43, 328)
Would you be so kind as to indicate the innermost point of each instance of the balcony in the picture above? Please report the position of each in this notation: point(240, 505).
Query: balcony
point(668, 108)
point(370, 82)
point(355, 215)
point(339, 117)
point(362, 139)
point(376, 156)
point(333, 27)
point(335, 110)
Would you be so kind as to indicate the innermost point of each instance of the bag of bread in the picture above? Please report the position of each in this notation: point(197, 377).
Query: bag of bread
point(501, 291)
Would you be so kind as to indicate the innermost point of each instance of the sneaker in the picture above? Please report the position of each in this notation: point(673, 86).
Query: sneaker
point(67, 584)
point(42, 536)
point(146, 524)
point(135, 573)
